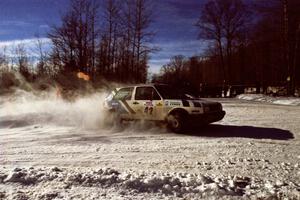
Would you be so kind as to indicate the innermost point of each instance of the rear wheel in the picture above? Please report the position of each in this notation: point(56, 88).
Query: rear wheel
point(176, 122)
point(117, 120)
point(113, 119)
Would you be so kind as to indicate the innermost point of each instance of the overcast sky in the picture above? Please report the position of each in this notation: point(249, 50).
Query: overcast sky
point(173, 24)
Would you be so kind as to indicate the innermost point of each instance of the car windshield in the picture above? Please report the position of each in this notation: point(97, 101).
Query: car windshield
point(168, 92)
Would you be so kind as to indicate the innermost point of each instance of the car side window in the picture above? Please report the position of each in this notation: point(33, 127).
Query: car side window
point(124, 94)
point(146, 93)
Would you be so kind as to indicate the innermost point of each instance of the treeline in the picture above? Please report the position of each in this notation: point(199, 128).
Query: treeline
point(253, 44)
point(111, 40)
point(249, 44)
point(104, 39)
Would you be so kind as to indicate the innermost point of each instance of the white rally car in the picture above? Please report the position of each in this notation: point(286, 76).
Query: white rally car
point(159, 102)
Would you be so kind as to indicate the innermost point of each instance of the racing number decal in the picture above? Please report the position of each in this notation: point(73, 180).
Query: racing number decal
point(148, 108)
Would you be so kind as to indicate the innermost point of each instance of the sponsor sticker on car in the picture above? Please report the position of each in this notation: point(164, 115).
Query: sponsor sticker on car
point(175, 103)
point(159, 104)
point(166, 103)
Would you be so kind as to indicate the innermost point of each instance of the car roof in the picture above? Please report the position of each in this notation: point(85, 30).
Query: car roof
point(142, 85)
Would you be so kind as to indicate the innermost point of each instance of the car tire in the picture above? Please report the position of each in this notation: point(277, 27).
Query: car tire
point(175, 122)
point(112, 119)
point(117, 120)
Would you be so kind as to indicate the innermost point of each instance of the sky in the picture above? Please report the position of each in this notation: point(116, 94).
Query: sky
point(23, 20)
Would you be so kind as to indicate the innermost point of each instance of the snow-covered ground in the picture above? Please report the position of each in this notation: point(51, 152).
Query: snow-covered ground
point(52, 149)
point(292, 101)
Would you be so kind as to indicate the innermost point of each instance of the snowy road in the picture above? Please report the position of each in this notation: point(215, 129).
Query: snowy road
point(256, 143)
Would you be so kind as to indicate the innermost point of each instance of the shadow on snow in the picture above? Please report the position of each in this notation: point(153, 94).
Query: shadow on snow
point(227, 131)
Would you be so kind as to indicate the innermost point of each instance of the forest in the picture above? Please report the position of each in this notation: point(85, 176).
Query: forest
point(248, 44)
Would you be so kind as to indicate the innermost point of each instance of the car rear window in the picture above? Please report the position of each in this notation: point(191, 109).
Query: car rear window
point(124, 94)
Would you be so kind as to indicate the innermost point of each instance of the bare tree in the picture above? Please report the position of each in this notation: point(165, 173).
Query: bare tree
point(110, 36)
point(42, 66)
point(276, 36)
point(22, 61)
point(4, 61)
point(122, 46)
point(221, 22)
point(141, 22)
point(175, 70)
point(74, 41)
point(291, 27)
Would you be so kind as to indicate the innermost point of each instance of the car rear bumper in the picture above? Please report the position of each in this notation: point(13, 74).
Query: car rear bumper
point(207, 118)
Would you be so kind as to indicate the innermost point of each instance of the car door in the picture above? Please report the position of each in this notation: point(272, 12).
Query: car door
point(121, 102)
point(145, 102)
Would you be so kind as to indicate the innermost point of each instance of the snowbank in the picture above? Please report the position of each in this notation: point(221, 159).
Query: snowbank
point(179, 185)
point(292, 101)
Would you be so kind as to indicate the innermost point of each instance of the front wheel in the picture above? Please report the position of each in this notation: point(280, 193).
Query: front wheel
point(175, 122)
